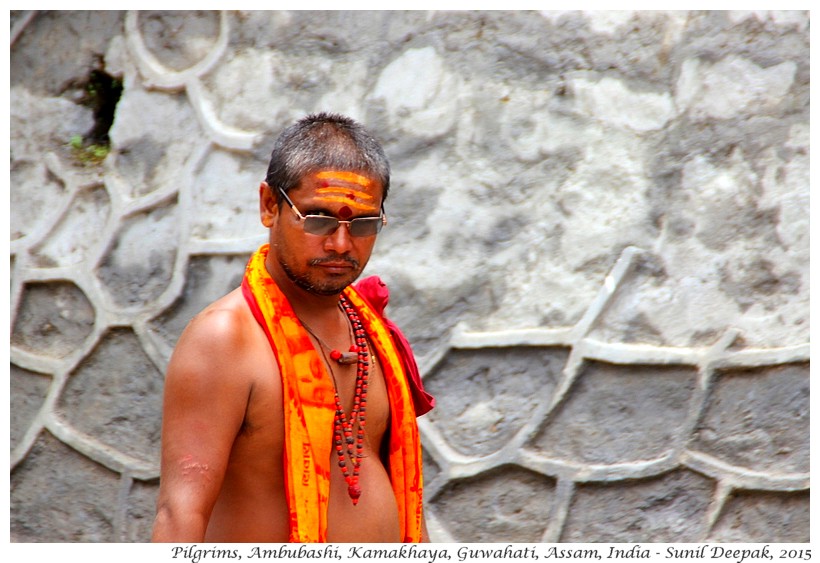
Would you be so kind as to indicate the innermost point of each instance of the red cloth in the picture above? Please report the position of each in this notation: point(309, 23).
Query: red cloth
point(375, 291)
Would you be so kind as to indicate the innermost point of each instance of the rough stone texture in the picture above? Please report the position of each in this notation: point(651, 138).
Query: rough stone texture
point(136, 273)
point(29, 390)
point(758, 419)
point(669, 509)
point(73, 239)
point(498, 505)
point(620, 414)
point(597, 244)
point(53, 320)
point(59, 495)
point(486, 396)
point(104, 399)
point(749, 515)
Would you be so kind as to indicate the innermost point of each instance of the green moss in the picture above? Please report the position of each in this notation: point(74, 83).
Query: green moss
point(88, 154)
point(101, 93)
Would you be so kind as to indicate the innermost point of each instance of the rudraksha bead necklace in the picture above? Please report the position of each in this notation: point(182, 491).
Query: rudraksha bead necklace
point(348, 447)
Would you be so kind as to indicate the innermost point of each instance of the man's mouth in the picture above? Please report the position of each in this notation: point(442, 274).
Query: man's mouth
point(340, 264)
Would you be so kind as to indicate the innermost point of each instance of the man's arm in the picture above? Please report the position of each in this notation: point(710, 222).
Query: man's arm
point(206, 397)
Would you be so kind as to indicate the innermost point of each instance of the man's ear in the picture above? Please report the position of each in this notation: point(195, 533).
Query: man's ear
point(268, 208)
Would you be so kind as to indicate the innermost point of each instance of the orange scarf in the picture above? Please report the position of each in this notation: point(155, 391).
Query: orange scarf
point(309, 408)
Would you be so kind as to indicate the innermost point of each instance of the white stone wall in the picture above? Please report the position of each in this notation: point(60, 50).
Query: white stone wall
point(597, 244)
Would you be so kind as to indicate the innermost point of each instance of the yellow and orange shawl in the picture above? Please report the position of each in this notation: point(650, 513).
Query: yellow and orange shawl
point(309, 408)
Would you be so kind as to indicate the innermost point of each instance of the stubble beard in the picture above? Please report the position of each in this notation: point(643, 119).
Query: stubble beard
point(303, 281)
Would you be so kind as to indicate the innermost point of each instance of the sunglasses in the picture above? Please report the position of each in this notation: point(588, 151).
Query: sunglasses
point(324, 225)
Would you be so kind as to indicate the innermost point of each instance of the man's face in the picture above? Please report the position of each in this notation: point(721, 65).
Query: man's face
point(325, 264)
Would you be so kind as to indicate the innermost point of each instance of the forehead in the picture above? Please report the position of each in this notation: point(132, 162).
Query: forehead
point(342, 186)
point(343, 177)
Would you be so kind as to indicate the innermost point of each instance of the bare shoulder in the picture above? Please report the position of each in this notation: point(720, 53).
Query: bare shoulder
point(229, 317)
point(223, 339)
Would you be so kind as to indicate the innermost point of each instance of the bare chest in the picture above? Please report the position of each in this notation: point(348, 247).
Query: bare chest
point(362, 396)
point(264, 422)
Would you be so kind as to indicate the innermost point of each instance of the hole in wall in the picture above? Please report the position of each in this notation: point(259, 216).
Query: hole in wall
point(102, 93)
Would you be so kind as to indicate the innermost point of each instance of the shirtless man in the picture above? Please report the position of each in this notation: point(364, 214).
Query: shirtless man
point(225, 468)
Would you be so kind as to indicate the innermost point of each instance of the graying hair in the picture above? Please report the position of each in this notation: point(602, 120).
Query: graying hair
point(322, 141)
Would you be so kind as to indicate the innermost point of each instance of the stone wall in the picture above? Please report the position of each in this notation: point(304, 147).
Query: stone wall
point(598, 245)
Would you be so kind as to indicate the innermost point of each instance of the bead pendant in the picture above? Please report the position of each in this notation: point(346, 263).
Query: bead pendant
point(355, 491)
point(344, 358)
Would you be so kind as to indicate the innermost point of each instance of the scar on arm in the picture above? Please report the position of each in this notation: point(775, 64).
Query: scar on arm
point(192, 468)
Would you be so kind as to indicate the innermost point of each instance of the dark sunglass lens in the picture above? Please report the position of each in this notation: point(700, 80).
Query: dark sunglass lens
point(320, 225)
point(365, 227)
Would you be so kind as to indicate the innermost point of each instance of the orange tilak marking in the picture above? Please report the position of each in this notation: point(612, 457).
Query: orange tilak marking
point(351, 177)
point(354, 204)
point(350, 194)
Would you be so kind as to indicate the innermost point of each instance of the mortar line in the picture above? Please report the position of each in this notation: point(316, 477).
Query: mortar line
point(121, 510)
point(722, 492)
point(21, 25)
point(564, 492)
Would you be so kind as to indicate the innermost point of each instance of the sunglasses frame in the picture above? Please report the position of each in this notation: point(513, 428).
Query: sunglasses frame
point(325, 219)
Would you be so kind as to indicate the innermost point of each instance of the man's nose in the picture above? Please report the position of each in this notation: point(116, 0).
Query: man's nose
point(339, 241)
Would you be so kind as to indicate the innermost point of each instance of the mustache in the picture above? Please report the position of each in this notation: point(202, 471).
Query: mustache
point(335, 258)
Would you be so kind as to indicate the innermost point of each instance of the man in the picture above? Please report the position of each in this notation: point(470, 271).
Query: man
point(290, 403)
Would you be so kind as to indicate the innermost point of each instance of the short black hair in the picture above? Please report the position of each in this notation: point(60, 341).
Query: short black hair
point(325, 140)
